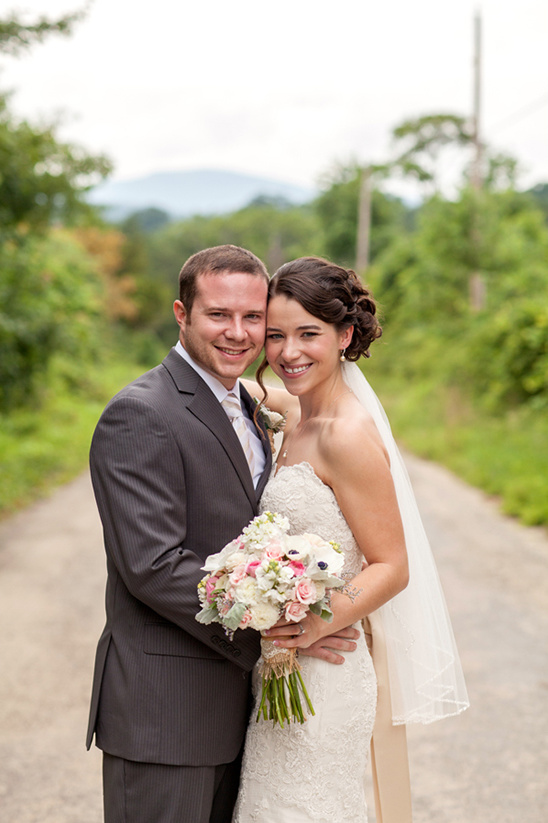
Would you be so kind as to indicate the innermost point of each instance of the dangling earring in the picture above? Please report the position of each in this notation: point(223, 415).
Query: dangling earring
point(342, 358)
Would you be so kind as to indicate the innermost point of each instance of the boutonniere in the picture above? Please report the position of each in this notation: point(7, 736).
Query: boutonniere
point(274, 422)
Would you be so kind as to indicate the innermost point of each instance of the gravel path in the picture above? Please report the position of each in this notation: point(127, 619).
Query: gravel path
point(490, 764)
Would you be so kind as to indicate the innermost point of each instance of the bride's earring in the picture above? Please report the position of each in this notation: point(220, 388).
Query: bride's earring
point(342, 358)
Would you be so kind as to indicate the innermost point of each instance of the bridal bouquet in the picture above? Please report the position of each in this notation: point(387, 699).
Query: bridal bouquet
point(261, 576)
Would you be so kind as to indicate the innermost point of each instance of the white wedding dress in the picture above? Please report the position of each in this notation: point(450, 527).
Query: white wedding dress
point(315, 771)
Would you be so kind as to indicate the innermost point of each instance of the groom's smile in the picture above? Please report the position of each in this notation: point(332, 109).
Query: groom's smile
point(232, 352)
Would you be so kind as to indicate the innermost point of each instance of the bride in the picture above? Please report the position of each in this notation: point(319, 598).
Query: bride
point(339, 475)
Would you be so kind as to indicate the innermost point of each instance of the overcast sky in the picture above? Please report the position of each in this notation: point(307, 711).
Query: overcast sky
point(281, 89)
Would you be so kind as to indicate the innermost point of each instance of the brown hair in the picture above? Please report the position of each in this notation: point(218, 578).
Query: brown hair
point(332, 294)
point(216, 260)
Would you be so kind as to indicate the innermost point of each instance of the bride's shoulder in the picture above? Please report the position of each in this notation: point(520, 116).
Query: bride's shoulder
point(352, 439)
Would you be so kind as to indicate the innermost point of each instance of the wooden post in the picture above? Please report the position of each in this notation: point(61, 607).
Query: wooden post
point(477, 286)
point(477, 176)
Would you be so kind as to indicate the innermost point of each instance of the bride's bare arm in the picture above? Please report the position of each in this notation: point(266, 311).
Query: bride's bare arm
point(278, 400)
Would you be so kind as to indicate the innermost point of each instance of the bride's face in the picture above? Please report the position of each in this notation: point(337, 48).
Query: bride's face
point(302, 349)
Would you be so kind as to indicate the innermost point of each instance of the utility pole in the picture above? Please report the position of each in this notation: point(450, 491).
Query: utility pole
point(477, 286)
point(477, 176)
point(364, 221)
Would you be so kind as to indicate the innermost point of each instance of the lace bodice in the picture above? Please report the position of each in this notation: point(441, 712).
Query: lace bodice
point(310, 506)
point(312, 773)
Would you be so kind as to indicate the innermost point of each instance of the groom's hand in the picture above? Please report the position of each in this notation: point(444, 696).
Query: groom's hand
point(326, 647)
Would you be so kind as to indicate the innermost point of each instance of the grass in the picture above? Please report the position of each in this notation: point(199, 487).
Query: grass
point(506, 456)
point(44, 448)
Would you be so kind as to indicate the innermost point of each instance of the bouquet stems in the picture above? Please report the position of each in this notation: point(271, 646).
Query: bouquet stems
point(283, 688)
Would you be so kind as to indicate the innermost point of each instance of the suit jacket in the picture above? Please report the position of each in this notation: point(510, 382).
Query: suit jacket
point(172, 485)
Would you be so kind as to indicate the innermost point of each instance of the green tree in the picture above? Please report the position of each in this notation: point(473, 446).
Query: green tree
point(273, 234)
point(420, 142)
point(50, 307)
point(16, 35)
point(499, 353)
point(337, 210)
point(145, 221)
point(539, 194)
point(49, 287)
point(42, 180)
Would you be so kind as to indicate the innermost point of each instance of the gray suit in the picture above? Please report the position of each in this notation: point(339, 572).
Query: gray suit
point(172, 485)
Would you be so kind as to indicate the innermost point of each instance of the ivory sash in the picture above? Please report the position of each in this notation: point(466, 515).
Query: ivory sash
point(389, 758)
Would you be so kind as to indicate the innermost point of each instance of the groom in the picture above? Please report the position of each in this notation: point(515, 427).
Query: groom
point(175, 480)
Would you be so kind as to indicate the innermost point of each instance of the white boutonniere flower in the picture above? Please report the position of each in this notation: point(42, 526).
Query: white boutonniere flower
point(274, 424)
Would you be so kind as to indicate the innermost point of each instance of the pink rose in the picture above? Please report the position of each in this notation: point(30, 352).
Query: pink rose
point(252, 567)
point(245, 619)
point(294, 611)
point(274, 551)
point(298, 567)
point(211, 582)
point(305, 591)
point(238, 574)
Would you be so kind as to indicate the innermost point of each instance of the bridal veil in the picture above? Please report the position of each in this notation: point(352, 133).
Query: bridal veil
point(425, 674)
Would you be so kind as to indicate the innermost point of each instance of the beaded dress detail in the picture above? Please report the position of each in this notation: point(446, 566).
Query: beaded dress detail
point(315, 771)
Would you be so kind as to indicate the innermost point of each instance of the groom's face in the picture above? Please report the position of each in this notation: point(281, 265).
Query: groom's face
point(225, 330)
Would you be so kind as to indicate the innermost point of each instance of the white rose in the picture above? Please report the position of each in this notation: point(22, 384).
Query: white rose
point(246, 591)
point(275, 419)
point(235, 559)
point(263, 616)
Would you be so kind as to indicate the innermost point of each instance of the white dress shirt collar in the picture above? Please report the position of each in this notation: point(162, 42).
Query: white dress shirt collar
point(214, 384)
point(220, 393)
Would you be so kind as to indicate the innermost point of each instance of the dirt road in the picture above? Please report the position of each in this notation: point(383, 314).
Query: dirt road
point(490, 764)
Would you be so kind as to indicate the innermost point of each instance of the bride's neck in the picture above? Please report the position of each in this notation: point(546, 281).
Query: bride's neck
point(319, 401)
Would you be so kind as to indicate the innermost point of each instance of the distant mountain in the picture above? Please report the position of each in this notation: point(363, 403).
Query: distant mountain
point(184, 193)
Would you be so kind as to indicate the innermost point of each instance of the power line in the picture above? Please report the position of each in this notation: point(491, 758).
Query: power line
point(521, 113)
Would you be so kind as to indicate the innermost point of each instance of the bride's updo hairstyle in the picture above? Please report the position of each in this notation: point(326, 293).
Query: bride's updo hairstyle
point(332, 294)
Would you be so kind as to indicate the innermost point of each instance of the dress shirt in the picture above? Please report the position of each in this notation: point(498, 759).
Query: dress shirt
point(220, 393)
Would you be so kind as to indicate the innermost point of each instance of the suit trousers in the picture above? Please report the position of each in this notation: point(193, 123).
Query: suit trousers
point(155, 793)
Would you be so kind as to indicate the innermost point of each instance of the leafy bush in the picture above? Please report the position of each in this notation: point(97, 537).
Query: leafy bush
point(509, 355)
point(50, 304)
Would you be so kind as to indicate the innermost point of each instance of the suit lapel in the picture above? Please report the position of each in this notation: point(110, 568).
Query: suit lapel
point(205, 406)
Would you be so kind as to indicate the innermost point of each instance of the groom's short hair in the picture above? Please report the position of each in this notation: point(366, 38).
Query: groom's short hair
point(216, 260)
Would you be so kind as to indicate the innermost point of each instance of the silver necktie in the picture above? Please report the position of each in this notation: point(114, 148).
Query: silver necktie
point(232, 407)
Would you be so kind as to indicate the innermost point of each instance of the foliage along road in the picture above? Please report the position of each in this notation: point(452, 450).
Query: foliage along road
point(489, 764)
